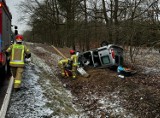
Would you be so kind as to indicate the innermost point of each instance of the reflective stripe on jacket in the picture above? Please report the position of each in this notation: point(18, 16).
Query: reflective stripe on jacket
point(17, 55)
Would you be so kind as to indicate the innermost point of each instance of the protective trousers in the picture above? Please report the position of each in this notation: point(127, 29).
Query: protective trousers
point(74, 70)
point(17, 74)
point(61, 65)
point(74, 59)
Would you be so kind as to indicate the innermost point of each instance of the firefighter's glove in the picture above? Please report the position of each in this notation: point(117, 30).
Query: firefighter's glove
point(27, 60)
point(7, 54)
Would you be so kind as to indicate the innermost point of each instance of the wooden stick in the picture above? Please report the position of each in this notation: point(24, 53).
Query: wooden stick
point(58, 52)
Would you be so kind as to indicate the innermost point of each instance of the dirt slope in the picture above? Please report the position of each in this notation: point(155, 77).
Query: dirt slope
point(106, 95)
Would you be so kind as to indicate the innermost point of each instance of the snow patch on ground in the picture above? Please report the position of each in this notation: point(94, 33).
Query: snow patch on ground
point(54, 56)
point(151, 70)
point(54, 59)
point(40, 49)
point(109, 105)
point(29, 102)
point(41, 63)
point(113, 107)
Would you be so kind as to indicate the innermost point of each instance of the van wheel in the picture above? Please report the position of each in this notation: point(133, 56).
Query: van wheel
point(104, 43)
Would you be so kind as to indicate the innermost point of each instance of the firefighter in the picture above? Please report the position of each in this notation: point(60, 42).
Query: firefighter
point(74, 62)
point(18, 52)
point(62, 63)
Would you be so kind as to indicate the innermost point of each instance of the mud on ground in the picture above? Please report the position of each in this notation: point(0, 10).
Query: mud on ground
point(138, 94)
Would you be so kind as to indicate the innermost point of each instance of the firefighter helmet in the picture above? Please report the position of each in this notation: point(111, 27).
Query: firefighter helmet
point(19, 38)
point(72, 52)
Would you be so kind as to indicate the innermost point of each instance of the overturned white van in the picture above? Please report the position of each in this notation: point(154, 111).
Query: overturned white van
point(106, 56)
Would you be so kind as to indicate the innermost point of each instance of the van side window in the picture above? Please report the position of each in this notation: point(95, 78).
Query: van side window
point(105, 59)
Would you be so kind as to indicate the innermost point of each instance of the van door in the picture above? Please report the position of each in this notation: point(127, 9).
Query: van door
point(104, 56)
point(96, 59)
point(86, 59)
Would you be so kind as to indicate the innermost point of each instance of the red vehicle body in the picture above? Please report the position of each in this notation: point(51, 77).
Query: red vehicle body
point(5, 36)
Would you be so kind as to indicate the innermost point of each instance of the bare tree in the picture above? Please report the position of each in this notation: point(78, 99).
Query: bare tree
point(85, 23)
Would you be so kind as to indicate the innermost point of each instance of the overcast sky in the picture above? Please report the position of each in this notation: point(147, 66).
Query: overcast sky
point(12, 5)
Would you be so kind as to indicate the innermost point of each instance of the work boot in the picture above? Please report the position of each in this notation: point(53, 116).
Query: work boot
point(16, 86)
point(16, 89)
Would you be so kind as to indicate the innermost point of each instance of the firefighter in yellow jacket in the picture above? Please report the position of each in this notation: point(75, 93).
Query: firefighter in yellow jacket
point(62, 63)
point(73, 61)
point(18, 52)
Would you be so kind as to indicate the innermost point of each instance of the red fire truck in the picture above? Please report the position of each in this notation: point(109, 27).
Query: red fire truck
point(5, 36)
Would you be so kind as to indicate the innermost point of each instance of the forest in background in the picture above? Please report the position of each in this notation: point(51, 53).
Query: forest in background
point(86, 23)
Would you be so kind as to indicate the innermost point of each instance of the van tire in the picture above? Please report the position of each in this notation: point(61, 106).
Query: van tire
point(104, 43)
